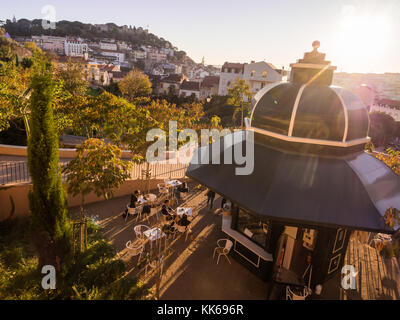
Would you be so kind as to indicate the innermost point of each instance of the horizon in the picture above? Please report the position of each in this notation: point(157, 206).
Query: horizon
point(356, 36)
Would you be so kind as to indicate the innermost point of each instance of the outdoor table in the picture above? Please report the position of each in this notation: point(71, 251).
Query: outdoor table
point(173, 183)
point(153, 234)
point(181, 210)
point(150, 197)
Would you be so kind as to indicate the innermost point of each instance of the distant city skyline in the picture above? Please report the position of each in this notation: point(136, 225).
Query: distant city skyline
point(357, 36)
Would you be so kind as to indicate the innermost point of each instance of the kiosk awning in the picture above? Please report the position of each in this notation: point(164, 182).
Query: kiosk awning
point(352, 192)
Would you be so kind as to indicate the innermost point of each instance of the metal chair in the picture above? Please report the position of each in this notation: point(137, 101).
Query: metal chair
point(223, 250)
point(135, 250)
point(139, 229)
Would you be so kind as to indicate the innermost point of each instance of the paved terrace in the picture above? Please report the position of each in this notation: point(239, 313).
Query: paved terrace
point(190, 272)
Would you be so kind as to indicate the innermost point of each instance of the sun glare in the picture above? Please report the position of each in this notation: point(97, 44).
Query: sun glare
point(362, 39)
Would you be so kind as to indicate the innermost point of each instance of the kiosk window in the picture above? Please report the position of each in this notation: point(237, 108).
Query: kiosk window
point(255, 229)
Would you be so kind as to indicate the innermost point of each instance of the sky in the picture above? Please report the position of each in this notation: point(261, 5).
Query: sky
point(356, 35)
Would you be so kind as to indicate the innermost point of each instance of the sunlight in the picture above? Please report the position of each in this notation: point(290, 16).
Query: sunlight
point(360, 38)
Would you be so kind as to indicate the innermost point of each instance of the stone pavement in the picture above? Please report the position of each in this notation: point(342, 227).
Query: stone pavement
point(190, 272)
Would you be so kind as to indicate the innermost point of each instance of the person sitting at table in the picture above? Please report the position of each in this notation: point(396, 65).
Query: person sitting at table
point(168, 228)
point(146, 209)
point(183, 187)
point(167, 211)
point(184, 222)
point(134, 200)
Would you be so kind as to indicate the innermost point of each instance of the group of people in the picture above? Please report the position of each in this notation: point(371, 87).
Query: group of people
point(183, 188)
point(172, 219)
point(136, 200)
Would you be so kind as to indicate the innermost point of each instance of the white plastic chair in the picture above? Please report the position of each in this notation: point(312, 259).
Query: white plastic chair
point(183, 229)
point(290, 295)
point(154, 264)
point(139, 229)
point(131, 211)
point(223, 250)
point(138, 211)
point(162, 189)
point(135, 250)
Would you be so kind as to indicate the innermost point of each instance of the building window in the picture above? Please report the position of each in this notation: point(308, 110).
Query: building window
point(256, 230)
point(252, 73)
point(264, 74)
point(229, 83)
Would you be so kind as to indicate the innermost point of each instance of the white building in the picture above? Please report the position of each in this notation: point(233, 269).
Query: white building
point(108, 46)
point(385, 85)
point(390, 107)
point(156, 56)
point(139, 54)
point(256, 74)
point(75, 48)
point(229, 73)
point(119, 56)
point(50, 43)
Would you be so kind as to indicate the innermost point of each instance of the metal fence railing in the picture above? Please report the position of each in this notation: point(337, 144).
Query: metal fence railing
point(17, 172)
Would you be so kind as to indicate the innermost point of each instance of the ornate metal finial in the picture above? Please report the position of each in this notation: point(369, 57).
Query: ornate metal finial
point(316, 44)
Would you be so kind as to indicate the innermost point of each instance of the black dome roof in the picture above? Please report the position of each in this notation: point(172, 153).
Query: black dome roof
point(313, 112)
point(308, 110)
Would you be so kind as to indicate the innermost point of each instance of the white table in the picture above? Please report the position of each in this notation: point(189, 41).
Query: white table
point(173, 183)
point(151, 197)
point(154, 234)
point(181, 210)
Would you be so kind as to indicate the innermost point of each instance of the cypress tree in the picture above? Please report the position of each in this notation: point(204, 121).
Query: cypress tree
point(51, 229)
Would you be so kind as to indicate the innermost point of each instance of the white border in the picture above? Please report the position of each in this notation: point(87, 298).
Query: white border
point(310, 141)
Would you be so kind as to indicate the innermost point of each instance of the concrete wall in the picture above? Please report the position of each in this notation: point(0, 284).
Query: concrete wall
point(64, 153)
point(19, 194)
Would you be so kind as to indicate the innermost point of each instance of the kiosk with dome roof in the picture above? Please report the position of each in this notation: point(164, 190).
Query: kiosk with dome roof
point(312, 184)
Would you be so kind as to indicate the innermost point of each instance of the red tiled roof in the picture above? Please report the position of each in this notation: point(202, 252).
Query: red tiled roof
point(190, 85)
point(231, 65)
point(388, 102)
point(210, 81)
point(173, 78)
point(119, 74)
point(271, 65)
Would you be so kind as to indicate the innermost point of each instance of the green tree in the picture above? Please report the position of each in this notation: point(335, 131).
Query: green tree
point(73, 78)
point(135, 86)
point(51, 230)
point(97, 168)
point(240, 97)
point(215, 122)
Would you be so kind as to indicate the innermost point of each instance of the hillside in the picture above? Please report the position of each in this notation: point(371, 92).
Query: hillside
point(130, 34)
